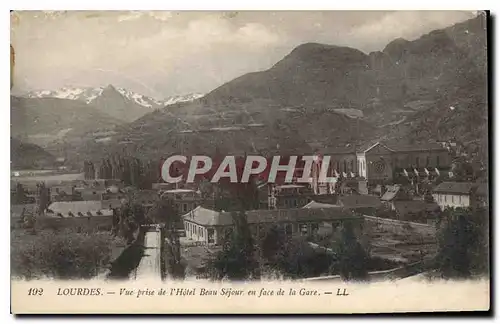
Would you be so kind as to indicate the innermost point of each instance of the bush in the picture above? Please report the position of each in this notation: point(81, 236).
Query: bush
point(63, 255)
point(300, 260)
point(463, 243)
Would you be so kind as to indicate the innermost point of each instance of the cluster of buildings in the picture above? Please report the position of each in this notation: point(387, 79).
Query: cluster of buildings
point(368, 179)
point(79, 203)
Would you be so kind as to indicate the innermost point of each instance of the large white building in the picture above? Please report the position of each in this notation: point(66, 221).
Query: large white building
point(380, 163)
point(459, 194)
point(209, 227)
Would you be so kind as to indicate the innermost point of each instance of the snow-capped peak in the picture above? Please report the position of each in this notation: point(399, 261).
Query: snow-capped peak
point(90, 94)
point(84, 94)
point(183, 98)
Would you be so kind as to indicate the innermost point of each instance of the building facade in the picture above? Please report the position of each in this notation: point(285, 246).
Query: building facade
point(89, 215)
point(288, 196)
point(458, 195)
point(184, 200)
point(383, 164)
point(209, 227)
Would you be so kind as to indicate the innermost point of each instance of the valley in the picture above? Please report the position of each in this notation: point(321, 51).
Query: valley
point(316, 97)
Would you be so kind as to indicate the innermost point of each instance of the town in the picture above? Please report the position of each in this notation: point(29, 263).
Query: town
point(393, 199)
point(265, 156)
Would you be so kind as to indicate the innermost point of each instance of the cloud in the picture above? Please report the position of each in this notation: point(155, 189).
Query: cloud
point(178, 52)
point(404, 24)
point(213, 30)
point(135, 15)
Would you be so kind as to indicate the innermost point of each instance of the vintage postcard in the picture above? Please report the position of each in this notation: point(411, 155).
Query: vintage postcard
point(249, 162)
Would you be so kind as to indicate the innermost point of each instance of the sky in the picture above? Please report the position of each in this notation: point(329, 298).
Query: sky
point(161, 53)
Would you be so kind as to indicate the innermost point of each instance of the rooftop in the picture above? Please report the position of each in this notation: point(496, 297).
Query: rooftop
point(78, 208)
point(288, 186)
point(391, 193)
point(328, 148)
point(208, 217)
point(431, 146)
point(359, 201)
point(178, 191)
point(314, 204)
point(455, 187)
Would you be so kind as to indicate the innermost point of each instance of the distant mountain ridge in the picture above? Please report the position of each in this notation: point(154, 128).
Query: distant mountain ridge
point(380, 83)
point(43, 117)
point(312, 92)
point(88, 94)
point(319, 97)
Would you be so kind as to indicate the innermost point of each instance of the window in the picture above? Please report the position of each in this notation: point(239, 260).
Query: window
point(452, 199)
point(437, 161)
point(314, 227)
point(210, 233)
point(184, 207)
point(428, 160)
point(288, 229)
point(303, 229)
point(345, 166)
point(417, 161)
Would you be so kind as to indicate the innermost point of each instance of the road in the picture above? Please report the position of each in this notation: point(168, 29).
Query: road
point(150, 265)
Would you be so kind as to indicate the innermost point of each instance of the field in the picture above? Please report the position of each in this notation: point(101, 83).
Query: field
point(403, 244)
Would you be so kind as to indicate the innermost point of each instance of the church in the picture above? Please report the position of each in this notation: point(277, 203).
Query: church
point(379, 163)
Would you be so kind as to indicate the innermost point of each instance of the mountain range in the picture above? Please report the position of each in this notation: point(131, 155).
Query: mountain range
point(89, 95)
point(42, 117)
point(321, 97)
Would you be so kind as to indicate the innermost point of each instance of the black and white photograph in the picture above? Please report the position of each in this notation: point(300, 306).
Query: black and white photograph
point(322, 147)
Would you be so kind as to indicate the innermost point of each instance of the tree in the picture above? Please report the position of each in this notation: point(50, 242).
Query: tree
point(299, 259)
point(116, 222)
point(63, 255)
point(20, 194)
point(352, 259)
point(131, 217)
point(462, 170)
point(237, 260)
point(43, 198)
point(272, 244)
point(165, 213)
point(463, 243)
point(136, 173)
point(88, 170)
